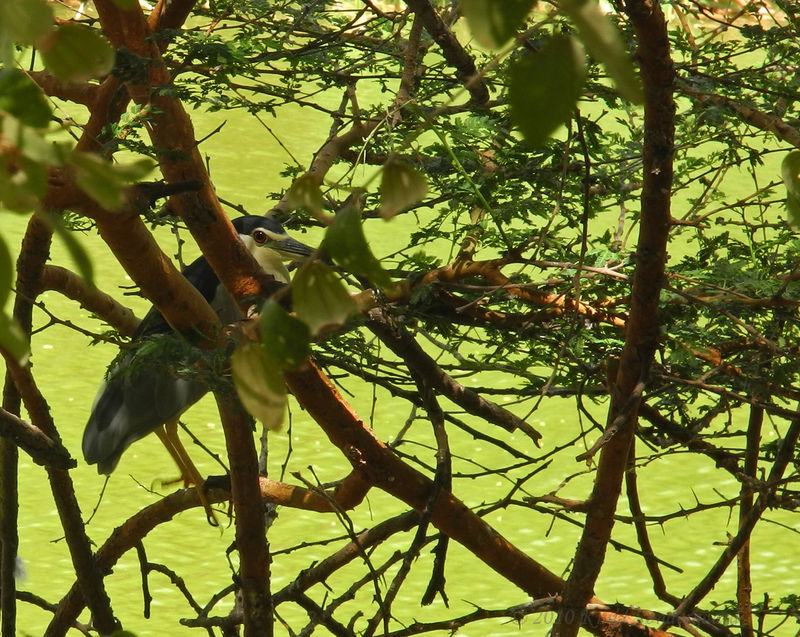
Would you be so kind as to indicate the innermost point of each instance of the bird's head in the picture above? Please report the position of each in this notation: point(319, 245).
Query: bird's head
point(268, 242)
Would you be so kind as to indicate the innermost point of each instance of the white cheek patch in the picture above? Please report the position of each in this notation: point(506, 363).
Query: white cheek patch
point(269, 260)
point(272, 263)
point(248, 242)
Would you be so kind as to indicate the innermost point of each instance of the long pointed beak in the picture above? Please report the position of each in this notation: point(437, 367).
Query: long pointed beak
point(293, 250)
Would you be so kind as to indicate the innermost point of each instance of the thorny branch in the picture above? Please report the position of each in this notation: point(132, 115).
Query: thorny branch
point(503, 302)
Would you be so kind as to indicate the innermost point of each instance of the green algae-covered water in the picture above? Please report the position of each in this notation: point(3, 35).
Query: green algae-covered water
point(245, 163)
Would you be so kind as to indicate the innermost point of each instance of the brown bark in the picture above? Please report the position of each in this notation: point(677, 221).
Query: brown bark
point(381, 468)
point(559, 304)
point(136, 528)
point(9, 516)
point(42, 449)
point(33, 254)
point(453, 52)
point(422, 365)
point(80, 93)
point(92, 299)
point(112, 98)
point(251, 530)
point(642, 327)
point(744, 585)
point(760, 119)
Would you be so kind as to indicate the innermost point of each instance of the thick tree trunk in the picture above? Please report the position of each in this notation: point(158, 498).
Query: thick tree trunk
point(642, 328)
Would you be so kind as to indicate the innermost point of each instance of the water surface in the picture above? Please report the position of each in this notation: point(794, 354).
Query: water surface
point(245, 164)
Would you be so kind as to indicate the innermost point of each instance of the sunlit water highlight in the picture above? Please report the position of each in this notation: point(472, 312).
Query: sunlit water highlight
point(245, 163)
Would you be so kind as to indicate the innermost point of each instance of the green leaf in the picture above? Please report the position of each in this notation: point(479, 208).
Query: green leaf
point(259, 384)
point(21, 191)
point(26, 20)
point(604, 42)
point(12, 336)
point(134, 171)
point(494, 22)
point(46, 152)
point(286, 339)
point(33, 144)
point(545, 86)
point(96, 177)
point(306, 193)
point(6, 273)
point(319, 298)
point(78, 253)
point(793, 208)
point(13, 197)
point(22, 98)
point(790, 173)
point(347, 245)
point(13, 339)
point(104, 181)
point(35, 176)
point(401, 187)
point(74, 53)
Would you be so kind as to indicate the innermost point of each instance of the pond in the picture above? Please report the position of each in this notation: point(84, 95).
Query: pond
point(245, 163)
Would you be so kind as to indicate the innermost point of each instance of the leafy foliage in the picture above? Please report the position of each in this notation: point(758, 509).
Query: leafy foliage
point(493, 23)
point(500, 237)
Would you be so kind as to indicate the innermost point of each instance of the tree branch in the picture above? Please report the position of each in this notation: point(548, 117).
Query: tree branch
point(33, 254)
point(423, 366)
point(453, 52)
point(42, 449)
point(642, 329)
point(66, 282)
point(251, 529)
point(753, 116)
point(746, 525)
point(133, 530)
point(376, 462)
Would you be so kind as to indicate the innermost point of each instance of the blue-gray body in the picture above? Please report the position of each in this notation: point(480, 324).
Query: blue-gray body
point(138, 398)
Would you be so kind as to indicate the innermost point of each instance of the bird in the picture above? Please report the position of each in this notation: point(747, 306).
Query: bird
point(141, 394)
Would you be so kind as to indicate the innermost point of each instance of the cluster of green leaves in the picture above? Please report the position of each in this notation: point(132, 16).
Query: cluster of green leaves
point(547, 175)
point(534, 196)
point(544, 86)
point(474, 159)
point(497, 175)
point(71, 53)
point(320, 302)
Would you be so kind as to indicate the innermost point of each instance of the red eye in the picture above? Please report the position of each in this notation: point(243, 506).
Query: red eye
point(259, 236)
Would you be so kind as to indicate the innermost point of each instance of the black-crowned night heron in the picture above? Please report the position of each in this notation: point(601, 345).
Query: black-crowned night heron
point(137, 399)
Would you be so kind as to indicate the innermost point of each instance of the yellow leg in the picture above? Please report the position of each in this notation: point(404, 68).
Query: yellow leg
point(168, 434)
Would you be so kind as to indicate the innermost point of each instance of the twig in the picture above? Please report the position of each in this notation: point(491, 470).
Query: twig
point(632, 491)
point(783, 457)
point(143, 570)
point(611, 430)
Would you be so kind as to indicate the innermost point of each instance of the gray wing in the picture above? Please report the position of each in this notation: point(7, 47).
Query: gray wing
point(140, 395)
point(131, 404)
